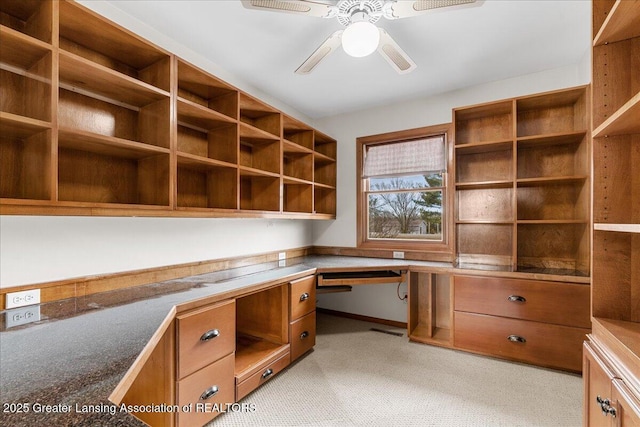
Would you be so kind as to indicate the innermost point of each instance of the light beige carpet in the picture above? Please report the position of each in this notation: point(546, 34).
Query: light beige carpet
point(358, 377)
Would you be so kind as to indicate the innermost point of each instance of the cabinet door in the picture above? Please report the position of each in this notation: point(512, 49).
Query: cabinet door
point(626, 404)
point(597, 387)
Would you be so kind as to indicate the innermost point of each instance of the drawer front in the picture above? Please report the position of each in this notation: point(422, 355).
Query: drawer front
point(303, 297)
point(549, 302)
point(205, 336)
point(262, 376)
point(302, 335)
point(541, 344)
point(204, 389)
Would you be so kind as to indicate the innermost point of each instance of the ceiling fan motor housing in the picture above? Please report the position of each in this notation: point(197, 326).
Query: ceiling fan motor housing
point(350, 11)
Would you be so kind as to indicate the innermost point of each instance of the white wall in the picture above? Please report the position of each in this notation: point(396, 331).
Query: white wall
point(41, 249)
point(381, 301)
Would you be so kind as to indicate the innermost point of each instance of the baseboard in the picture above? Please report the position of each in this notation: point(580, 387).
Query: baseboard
point(386, 322)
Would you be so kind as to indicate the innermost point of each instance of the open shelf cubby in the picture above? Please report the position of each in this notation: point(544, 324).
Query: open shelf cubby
point(324, 200)
point(206, 184)
point(484, 163)
point(25, 158)
point(260, 116)
point(485, 204)
point(297, 132)
point(262, 327)
point(201, 135)
point(96, 169)
point(554, 246)
point(430, 308)
point(554, 200)
point(554, 155)
point(201, 88)
point(554, 113)
point(116, 50)
point(30, 17)
point(259, 191)
point(484, 123)
point(490, 244)
point(297, 196)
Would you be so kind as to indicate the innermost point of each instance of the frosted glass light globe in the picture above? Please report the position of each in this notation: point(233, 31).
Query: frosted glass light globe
point(360, 39)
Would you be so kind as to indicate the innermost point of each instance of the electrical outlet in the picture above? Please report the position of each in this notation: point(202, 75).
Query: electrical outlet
point(22, 298)
point(22, 316)
point(398, 255)
point(282, 256)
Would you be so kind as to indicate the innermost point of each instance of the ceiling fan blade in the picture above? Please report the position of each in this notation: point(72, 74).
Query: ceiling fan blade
point(299, 7)
point(328, 46)
point(406, 9)
point(394, 55)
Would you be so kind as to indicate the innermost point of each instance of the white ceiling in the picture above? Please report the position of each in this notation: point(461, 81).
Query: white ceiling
point(453, 48)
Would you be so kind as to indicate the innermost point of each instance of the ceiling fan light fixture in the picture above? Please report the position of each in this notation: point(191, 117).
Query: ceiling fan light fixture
point(360, 39)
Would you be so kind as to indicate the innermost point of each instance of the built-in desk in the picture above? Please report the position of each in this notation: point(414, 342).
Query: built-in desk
point(81, 348)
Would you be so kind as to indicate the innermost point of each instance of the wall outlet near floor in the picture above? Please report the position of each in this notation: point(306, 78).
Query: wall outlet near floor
point(22, 298)
point(398, 255)
point(282, 256)
point(22, 316)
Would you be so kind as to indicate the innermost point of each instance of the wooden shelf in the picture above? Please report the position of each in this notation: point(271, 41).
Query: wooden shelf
point(13, 126)
point(115, 48)
point(483, 185)
point(624, 121)
point(622, 22)
point(485, 147)
point(550, 180)
point(200, 116)
point(201, 88)
point(551, 221)
point(251, 351)
point(32, 18)
point(200, 181)
point(552, 113)
point(82, 74)
point(95, 120)
point(106, 145)
point(21, 50)
point(487, 123)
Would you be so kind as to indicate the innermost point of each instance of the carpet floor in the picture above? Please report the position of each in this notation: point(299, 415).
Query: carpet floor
point(359, 377)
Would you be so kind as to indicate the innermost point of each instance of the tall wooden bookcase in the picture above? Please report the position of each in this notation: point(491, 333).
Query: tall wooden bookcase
point(98, 121)
point(614, 346)
point(522, 183)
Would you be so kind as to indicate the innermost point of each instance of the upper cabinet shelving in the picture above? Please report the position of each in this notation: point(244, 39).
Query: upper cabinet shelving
point(522, 183)
point(96, 120)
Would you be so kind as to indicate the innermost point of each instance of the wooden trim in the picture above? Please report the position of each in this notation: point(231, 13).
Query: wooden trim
point(88, 285)
point(444, 247)
point(393, 323)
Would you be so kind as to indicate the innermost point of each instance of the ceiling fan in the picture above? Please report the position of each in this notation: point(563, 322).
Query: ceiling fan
point(360, 37)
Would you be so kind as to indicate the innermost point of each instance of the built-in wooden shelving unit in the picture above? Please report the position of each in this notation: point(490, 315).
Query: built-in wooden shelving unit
point(96, 120)
point(522, 183)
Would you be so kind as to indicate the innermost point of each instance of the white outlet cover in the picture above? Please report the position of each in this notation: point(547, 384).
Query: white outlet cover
point(398, 255)
point(22, 316)
point(22, 298)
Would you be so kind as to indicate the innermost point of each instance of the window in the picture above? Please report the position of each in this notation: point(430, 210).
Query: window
point(402, 190)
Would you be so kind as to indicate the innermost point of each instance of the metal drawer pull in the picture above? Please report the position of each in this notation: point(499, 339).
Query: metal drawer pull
point(516, 338)
point(304, 297)
point(304, 335)
point(267, 373)
point(209, 393)
point(516, 298)
point(209, 335)
point(605, 407)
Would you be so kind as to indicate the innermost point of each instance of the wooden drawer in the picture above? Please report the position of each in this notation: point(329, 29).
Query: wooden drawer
point(258, 378)
point(549, 302)
point(194, 389)
point(544, 344)
point(303, 335)
point(302, 296)
point(204, 336)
